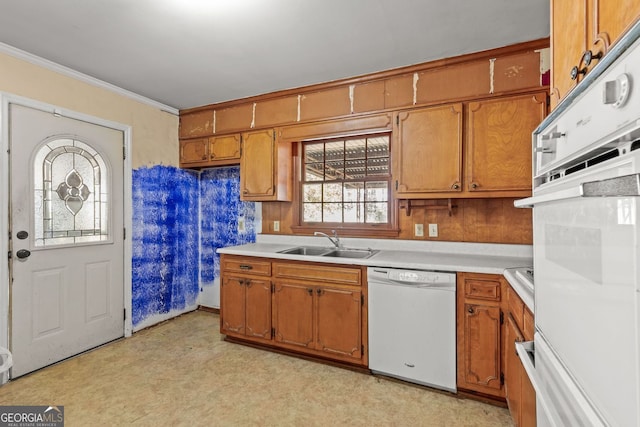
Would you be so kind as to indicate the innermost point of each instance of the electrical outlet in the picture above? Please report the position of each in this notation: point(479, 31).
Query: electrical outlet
point(418, 230)
point(241, 225)
point(276, 225)
point(433, 230)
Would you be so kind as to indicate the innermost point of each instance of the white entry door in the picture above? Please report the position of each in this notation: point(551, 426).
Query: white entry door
point(66, 231)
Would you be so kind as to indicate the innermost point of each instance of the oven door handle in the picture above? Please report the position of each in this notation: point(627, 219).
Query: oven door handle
point(620, 186)
point(526, 351)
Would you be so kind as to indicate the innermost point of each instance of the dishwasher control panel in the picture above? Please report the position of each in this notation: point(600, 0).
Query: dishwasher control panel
point(412, 276)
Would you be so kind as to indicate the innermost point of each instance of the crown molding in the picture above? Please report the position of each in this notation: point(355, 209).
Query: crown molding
point(66, 71)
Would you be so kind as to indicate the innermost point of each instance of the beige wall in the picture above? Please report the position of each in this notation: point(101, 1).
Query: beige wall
point(154, 132)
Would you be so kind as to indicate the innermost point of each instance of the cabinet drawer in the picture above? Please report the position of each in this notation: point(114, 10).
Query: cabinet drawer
point(318, 273)
point(482, 289)
point(516, 307)
point(252, 266)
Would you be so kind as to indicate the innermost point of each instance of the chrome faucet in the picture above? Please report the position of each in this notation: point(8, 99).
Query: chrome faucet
point(335, 239)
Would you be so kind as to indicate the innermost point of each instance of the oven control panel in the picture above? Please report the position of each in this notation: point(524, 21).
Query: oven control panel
point(601, 122)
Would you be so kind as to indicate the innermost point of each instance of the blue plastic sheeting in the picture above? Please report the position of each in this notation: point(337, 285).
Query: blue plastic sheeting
point(165, 241)
point(221, 209)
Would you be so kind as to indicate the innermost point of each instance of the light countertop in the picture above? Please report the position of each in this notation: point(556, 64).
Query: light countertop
point(422, 255)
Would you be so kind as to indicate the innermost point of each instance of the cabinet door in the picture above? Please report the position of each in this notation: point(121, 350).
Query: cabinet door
point(569, 32)
point(513, 370)
point(499, 142)
point(257, 166)
point(258, 308)
point(194, 151)
point(481, 359)
point(612, 18)
point(232, 305)
point(427, 153)
point(293, 314)
point(225, 148)
point(339, 322)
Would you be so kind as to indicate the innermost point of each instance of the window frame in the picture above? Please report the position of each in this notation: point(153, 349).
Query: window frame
point(388, 229)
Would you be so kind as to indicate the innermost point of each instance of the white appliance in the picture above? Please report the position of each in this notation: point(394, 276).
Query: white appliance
point(586, 237)
point(412, 325)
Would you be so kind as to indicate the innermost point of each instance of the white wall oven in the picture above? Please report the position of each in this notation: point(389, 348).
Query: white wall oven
point(584, 361)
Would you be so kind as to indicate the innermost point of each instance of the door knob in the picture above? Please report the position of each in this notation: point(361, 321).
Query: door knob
point(22, 234)
point(23, 253)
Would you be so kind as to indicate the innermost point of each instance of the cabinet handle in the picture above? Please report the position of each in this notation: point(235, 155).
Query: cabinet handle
point(575, 72)
point(248, 283)
point(588, 56)
point(474, 185)
point(310, 291)
point(455, 186)
point(470, 310)
point(245, 192)
point(246, 267)
point(319, 291)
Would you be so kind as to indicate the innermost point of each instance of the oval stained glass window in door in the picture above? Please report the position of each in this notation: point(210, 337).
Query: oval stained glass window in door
point(70, 194)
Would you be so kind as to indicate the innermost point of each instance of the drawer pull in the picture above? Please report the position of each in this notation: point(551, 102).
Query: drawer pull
point(246, 267)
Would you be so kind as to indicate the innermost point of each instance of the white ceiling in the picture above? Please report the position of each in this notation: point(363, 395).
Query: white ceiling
point(187, 53)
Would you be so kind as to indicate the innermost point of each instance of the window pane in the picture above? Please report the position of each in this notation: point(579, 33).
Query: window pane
point(378, 166)
point(332, 192)
point(334, 170)
point(312, 193)
point(353, 212)
point(334, 151)
point(377, 212)
point(332, 212)
point(355, 169)
point(312, 212)
point(378, 146)
point(355, 149)
point(314, 153)
point(314, 172)
point(377, 191)
point(354, 192)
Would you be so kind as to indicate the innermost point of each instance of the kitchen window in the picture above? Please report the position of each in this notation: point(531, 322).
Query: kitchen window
point(345, 182)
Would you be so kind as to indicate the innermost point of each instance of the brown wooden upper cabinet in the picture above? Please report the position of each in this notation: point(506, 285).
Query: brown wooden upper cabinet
point(265, 167)
point(498, 152)
point(580, 30)
point(212, 151)
point(433, 158)
point(427, 153)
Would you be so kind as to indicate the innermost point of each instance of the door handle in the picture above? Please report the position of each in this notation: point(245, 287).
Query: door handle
point(23, 253)
point(22, 234)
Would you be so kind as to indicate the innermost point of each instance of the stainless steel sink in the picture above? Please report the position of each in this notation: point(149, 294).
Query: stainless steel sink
point(329, 252)
point(307, 250)
point(351, 253)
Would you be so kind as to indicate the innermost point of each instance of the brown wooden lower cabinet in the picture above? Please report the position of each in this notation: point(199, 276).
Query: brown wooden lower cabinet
point(480, 333)
point(311, 308)
point(521, 396)
point(319, 318)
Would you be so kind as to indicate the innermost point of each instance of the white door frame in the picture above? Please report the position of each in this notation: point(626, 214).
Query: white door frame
point(5, 100)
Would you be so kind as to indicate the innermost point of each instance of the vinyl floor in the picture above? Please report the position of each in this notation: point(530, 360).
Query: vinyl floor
point(181, 373)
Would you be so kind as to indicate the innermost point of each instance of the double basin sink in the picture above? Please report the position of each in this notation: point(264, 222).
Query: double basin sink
point(330, 252)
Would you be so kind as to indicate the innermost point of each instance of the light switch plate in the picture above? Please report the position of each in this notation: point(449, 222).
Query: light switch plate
point(418, 230)
point(276, 225)
point(433, 230)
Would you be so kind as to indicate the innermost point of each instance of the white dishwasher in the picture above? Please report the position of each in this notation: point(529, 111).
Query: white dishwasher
point(412, 325)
